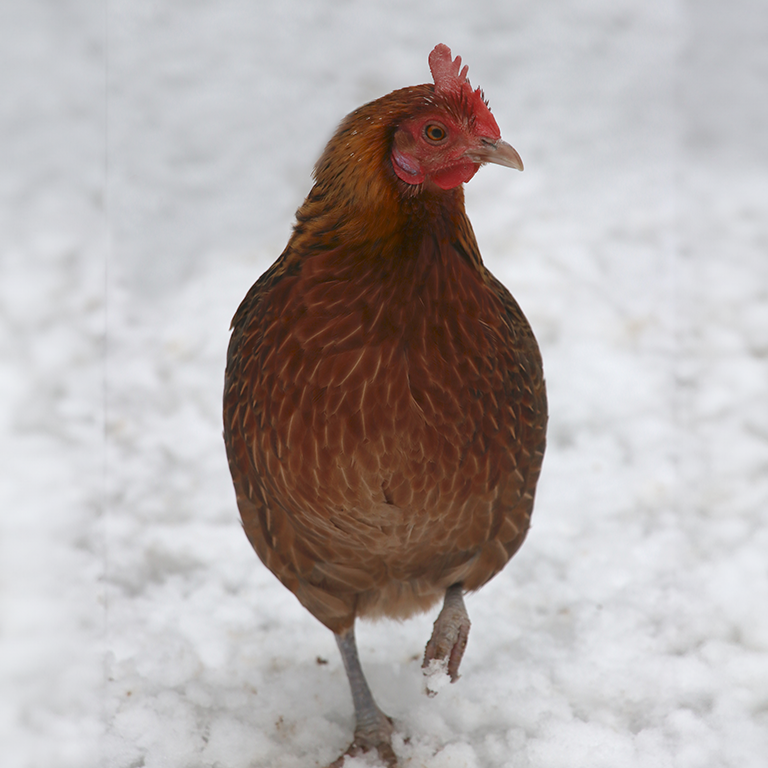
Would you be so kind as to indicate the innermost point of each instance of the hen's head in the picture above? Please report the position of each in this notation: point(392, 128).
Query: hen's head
point(407, 148)
point(453, 134)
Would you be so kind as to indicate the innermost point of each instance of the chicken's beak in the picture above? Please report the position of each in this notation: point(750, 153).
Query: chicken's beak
point(498, 152)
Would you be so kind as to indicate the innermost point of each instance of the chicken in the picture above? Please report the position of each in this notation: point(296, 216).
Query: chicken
point(384, 406)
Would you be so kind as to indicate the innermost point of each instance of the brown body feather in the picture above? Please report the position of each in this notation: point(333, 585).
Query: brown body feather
point(384, 405)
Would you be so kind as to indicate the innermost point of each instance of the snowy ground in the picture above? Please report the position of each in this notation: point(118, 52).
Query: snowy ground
point(152, 156)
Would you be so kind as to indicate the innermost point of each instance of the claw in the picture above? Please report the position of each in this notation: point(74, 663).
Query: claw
point(384, 750)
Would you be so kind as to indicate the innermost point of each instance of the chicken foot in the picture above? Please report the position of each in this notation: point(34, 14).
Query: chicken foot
point(373, 729)
point(449, 636)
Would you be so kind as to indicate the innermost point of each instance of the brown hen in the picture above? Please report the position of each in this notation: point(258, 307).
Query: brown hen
point(384, 405)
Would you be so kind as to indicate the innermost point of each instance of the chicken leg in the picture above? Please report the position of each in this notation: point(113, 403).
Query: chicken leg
point(449, 636)
point(373, 729)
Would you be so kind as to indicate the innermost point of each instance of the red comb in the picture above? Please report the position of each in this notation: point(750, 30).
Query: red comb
point(451, 80)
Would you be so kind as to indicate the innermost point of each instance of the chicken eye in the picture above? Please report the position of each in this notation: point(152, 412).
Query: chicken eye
point(435, 132)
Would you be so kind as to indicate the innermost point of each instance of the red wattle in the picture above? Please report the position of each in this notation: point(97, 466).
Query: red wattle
point(451, 177)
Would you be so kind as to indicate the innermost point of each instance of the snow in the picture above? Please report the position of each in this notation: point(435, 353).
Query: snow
point(436, 677)
point(153, 155)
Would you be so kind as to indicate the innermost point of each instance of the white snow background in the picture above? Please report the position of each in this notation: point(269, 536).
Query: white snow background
point(152, 155)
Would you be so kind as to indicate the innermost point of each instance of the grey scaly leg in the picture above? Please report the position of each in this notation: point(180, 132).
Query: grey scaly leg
point(373, 729)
